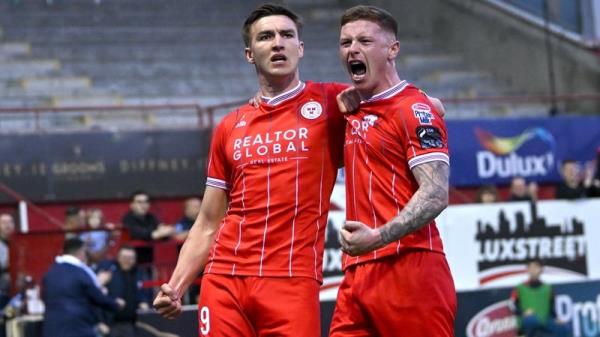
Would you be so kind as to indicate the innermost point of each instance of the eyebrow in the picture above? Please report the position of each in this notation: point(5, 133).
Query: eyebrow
point(271, 31)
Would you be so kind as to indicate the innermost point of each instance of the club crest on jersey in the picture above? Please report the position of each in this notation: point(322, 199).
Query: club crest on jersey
point(311, 110)
point(422, 113)
point(370, 119)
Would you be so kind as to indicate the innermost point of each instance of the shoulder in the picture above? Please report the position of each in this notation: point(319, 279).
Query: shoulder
point(232, 118)
point(413, 98)
point(326, 88)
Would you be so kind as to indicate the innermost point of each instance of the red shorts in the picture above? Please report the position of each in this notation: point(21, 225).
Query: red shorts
point(408, 295)
point(247, 306)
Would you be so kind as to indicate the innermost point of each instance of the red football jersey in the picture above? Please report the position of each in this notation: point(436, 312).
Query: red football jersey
point(393, 132)
point(279, 164)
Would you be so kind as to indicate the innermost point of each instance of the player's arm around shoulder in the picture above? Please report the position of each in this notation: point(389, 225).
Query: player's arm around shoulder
point(194, 253)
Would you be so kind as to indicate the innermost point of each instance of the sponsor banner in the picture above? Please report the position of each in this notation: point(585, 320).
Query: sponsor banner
point(486, 313)
point(489, 245)
point(104, 165)
point(481, 313)
point(490, 151)
point(332, 256)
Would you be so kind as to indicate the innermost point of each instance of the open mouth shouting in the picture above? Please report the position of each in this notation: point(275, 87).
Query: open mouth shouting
point(357, 69)
point(278, 59)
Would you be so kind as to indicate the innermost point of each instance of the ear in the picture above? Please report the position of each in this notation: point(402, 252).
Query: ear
point(394, 50)
point(301, 49)
point(249, 55)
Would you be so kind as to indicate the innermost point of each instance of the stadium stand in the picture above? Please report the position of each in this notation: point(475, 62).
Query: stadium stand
point(79, 53)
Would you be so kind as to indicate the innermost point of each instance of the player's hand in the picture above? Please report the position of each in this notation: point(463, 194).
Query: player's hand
point(438, 105)
point(348, 100)
point(255, 101)
point(357, 238)
point(167, 303)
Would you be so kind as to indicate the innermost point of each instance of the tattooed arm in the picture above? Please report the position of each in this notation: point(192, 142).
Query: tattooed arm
point(428, 201)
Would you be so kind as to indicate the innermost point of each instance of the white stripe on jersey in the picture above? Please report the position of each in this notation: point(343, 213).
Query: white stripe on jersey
point(218, 183)
point(320, 214)
point(428, 157)
point(395, 200)
point(371, 202)
point(430, 240)
point(237, 246)
point(262, 253)
point(214, 250)
point(295, 216)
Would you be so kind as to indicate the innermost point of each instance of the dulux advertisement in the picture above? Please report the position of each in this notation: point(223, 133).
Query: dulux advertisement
point(487, 151)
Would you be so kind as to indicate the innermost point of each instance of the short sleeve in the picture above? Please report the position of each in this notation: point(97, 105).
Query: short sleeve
point(218, 169)
point(426, 136)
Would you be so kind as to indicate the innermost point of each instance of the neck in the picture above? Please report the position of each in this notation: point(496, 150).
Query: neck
point(389, 79)
point(271, 87)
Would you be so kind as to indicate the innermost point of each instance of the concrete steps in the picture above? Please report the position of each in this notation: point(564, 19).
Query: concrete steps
point(53, 85)
point(11, 69)
point(14, 50)
point(86, 101)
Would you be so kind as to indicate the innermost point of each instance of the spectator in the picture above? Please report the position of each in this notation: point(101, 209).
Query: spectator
point(487, 194)
point(520, 191)
point(97, 240)
point(533, 304)
point(7, 228)
point(191, 208)
point(143, 225)
point(126, 283)
point(592, 177)
point(72, 292)
point(74, 221)
point(571, 187)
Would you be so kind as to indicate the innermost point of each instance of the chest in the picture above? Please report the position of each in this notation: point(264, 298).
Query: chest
point(298, 132)
point(374, 132)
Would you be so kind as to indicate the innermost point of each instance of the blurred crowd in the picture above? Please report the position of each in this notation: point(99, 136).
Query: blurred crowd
point(579, 181)
point(88, 290)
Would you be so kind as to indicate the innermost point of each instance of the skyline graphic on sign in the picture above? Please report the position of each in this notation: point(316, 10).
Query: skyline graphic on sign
point(505, 145)
point(505, 249)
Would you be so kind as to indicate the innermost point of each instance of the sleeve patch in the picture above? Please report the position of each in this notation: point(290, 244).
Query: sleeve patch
point(430, 137)
point(422, 112)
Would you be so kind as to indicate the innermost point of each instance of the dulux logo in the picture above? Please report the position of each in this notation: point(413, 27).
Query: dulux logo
point(502, 160)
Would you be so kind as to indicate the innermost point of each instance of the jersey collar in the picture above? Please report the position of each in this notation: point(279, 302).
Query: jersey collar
point(396, 89)
point(272, 101)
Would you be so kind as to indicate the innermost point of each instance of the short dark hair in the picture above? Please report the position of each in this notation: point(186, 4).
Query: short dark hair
point(268, 10)
point(568, 161)
point(72, 211)
point(126, 247)
point(139, 192)
point(383, 18)
point(72, 245)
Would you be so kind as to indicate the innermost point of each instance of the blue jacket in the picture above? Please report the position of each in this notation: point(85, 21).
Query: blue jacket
point(71, 298)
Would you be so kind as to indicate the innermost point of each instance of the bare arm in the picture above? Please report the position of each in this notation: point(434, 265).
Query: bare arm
point(428, 202)
point(194, 253)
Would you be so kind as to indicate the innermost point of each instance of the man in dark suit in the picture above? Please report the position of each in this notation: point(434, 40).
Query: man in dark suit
point(126, 283)
point(72, 294)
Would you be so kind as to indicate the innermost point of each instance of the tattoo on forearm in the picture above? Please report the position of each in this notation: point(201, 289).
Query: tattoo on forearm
point(430, 200)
